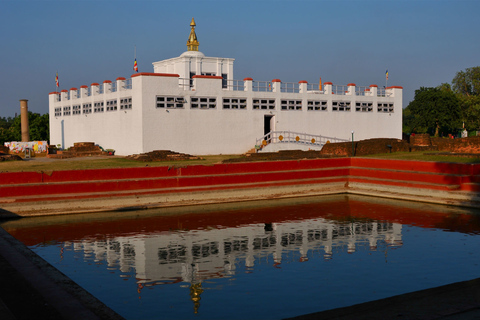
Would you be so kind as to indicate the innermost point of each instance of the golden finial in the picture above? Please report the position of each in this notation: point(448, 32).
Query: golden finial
point(192, 43)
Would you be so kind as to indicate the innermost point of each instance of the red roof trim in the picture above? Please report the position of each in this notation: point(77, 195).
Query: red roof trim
point(107, 81)
point(121, 78)
point(206, 77)
point(64, 90)
point(73, 89)
point(367, 89)
point(83, 86)
point(151, 74)
point(54, 93)
point(302, 81)
point(276, 80)
point(328, 83)
point(248, 79)
point(395, 87)
point(94, 84)
point(351, 84)
point(373, 86)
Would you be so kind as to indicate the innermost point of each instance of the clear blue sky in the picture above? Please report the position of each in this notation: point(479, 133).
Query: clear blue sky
point(421, 43)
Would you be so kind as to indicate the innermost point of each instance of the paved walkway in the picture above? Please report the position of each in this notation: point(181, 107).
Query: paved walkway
point(30, 288)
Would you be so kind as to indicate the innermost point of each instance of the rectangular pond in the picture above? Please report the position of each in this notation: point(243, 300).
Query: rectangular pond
point(258, 260)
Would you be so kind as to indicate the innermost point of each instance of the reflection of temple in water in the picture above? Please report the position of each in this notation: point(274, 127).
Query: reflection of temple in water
point(197, 255)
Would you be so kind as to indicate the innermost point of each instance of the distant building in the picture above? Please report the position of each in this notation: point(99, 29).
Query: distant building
point(192, 104)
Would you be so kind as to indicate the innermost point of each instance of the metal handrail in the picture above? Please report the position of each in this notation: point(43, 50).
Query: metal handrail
point(296, 137)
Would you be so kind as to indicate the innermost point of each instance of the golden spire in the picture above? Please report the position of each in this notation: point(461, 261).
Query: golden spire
point(192, 43)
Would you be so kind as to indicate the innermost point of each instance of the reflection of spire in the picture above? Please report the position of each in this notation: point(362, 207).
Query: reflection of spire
point(139, 290)
point(192, 43)
point(195, 292)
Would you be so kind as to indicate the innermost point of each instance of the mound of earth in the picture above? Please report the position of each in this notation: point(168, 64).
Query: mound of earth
point(161, 155)
point(9, 157)
point(280, 155)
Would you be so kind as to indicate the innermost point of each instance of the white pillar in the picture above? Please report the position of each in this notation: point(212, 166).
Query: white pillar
point(95, 89)
point(248, 84)
point(303, 86)
point(73, 93)
point(351, 89)
point(107, 86)
point(83, 91)
point(276, 85)
point(328, 87)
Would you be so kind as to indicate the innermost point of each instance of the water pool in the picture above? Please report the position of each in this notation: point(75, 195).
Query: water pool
point(258, 260)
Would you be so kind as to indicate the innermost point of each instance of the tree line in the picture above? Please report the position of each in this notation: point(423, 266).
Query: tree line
point(447, 108)
point(11, 128)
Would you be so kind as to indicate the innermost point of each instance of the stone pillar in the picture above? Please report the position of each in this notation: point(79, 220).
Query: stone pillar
point(248, 84)
point(302, 86)
point(351, 89)
point(276, 85)
point(107, 86)
point(328, 87)
point(24, 120)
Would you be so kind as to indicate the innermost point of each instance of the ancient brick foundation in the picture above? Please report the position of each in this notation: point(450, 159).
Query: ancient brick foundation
point(365, 147)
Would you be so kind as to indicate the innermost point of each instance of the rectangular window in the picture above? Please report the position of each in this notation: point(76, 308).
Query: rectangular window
point(58, 112)
point(203, 103)
point(126, 103)
point(77, 109)
point(66, 111)
point(234, 103)
point(264, 104)
point(98, 107)
point(385, 107)
point(341, 106)
point(364, 106)
point(112, 105)
point(87, 108)
point(291, 104)
point(316, 105)
point(170, 102)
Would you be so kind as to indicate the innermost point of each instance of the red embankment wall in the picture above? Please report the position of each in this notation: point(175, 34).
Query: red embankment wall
point(25, 186)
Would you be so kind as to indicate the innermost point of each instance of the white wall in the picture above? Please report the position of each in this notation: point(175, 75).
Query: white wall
point(214, 131)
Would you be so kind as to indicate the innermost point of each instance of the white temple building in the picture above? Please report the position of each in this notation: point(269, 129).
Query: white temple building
point(193, 104)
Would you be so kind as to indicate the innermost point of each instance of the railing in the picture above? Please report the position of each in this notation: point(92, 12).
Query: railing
point(314, 88)
point(262, 86)
point(236, 85)
point(339, 89)
point(290, 87)
point(128, 83)
point(295, 137)
point(114, 87)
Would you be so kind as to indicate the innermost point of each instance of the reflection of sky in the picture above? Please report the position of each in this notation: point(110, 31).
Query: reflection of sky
point(427, 258)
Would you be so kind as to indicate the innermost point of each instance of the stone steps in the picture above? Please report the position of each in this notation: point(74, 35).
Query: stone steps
point(24, 187)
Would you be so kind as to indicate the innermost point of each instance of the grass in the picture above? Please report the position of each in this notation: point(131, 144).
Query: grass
point(39, 164)
point(420, 156)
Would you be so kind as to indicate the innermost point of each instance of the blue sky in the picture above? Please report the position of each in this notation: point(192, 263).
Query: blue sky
point(421, 43)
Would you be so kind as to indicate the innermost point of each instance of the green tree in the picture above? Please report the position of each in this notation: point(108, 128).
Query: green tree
point(466, 85)
point(434, 110)
point(38, 126)
point(467, 82)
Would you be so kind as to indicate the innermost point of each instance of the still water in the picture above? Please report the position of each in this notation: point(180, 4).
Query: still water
point(258, 260)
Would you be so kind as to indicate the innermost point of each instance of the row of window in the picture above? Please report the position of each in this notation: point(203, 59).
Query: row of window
point(98, 107)
point(267, 104)
point(178, 102)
